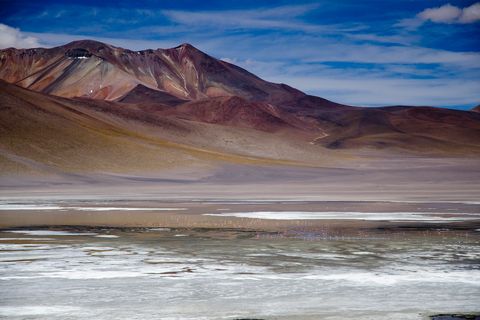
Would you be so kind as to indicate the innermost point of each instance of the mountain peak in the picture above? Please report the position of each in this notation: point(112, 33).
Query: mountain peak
point(85, 43)
point(185, 45)
point(188, 48)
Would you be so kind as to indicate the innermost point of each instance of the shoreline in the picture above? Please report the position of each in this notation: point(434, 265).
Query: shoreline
point(280, 216)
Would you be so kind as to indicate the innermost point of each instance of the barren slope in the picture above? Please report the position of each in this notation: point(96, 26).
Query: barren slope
point(422, 130)
point(132, 105)
point(50, 134)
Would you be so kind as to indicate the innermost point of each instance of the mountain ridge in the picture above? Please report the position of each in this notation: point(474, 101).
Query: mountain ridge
point(185, 104)
point(110, 72)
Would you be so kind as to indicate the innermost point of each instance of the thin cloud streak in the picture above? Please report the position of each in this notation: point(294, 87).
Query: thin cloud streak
point(284, 18)
point(382, 92)
point(321, 49)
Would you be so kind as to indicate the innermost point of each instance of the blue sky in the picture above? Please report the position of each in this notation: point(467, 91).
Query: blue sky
point(368, 53)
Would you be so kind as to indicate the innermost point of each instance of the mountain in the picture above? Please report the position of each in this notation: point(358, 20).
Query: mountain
point(417, 129)
point(476, 109)
point(92, 106)
point(102, 71)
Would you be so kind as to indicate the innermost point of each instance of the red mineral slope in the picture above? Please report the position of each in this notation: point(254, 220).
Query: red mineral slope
point(238, 112)
point(97, 70)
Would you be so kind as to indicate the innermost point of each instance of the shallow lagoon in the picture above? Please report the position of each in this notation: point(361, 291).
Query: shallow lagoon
point(162, 273)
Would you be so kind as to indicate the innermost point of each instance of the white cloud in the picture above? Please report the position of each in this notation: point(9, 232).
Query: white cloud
point(13, 37)
point(444, 14)
point(471, 14)
point(451, 14)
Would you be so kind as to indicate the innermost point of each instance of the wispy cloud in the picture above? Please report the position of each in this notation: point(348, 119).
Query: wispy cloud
point(310, 48)
point(285, 18)
point(13, 37)
point(397, 54)
point(374, 91)
point(368, 85)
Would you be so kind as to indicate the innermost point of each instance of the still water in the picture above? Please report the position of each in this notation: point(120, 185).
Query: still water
point(160, 273)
